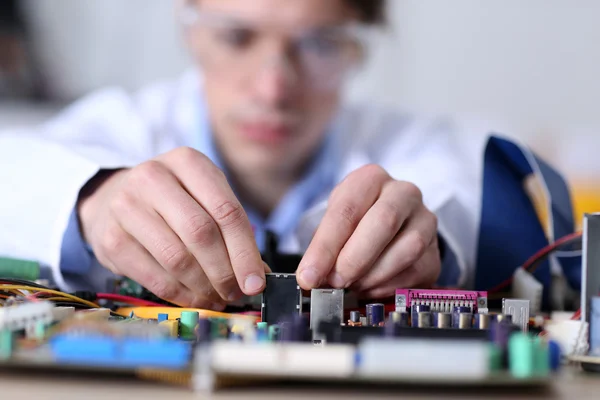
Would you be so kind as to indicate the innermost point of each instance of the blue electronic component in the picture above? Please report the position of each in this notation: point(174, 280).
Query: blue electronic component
point(163, 317)
point(555, 355)
point(158, 353)
point(594, 324)
point(118, 352)
point(375, 314)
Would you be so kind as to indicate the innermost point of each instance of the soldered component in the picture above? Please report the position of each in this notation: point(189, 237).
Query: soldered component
point(518, 309)
point(414, 315)
point(456, 315)
point(482, 321)
point(375, 314)
point(465, 320)
point(595, 324)
point(441, 300)
point(354, 319)
point(6, 344)
point(326, 305)
point(187, 324)
point(204, 330)
point(399, 318)
point(424, 319)
point(162, 317)
point(281, 298)
point(442, 320)
point(172, 327)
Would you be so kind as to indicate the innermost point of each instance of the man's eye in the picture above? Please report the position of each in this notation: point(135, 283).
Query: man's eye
point(238, 38)
point(322, 46)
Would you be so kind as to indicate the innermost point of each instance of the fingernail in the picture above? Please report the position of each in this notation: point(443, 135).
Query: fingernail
point(253, 284)
point(310, 278)
point(337, 281)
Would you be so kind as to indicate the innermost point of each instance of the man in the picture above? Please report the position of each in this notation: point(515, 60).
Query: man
point(176, 186)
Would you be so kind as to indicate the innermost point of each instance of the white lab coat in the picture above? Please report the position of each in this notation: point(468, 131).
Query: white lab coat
point(43, 169)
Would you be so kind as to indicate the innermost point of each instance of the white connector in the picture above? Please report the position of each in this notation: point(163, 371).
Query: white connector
point(21, 316)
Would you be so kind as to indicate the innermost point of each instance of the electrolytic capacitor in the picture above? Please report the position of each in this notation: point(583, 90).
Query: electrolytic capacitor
point(442, 320)
point(424, 319)
point(204, 330)
point(354, 318)
point(187, 324)
point(375, 314)
point(465, 320)
point(414, 313)
point(456, 315)
point(482, 321)
point(398, 318)
point(507, 318)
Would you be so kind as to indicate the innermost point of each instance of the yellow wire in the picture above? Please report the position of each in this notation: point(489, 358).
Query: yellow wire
point(56, 292)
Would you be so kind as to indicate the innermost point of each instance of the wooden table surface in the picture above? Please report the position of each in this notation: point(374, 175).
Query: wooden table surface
point(570, 384)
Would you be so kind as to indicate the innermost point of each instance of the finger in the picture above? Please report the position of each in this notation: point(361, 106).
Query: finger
point(374, 233)
point(418, 235)
point(423, 274)
point(346, 208)
point(208, 186)
point(152, 232)
point(130, 258)
point(195, 250)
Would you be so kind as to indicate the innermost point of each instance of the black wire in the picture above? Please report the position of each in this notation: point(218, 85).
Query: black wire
point(576, 240)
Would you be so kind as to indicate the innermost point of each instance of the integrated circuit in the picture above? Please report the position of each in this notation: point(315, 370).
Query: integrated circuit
point(281, 299)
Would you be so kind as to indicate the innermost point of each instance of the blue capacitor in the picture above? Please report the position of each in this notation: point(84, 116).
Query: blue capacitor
point(414, 313)
point(555, 355)
point(204, 330)
point(375, 314)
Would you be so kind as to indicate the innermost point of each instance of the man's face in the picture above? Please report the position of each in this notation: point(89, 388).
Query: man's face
point(272, 73)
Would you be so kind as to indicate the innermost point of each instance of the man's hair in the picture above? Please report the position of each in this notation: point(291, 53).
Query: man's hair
point(370, 11)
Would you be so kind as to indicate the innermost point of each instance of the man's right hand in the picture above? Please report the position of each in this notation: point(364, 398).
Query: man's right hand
point(174, 225)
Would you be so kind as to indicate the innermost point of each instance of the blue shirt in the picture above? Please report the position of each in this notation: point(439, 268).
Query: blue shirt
point(319, 179)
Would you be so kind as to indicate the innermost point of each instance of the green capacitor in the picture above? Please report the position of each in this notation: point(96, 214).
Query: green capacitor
point(19, 269)
point(521, 355)
point(495, 354)
point(274, 333)
point(187, 324)
point(541, 357)
point(40, 330)
point(220, 329)
point(6, 344)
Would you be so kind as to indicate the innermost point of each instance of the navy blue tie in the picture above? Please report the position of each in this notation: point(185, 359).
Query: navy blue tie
point(510, 230)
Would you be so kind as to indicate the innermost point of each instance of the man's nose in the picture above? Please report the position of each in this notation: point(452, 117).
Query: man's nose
point(276, 79)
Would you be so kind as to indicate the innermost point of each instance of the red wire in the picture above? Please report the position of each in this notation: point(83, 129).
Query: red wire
point(541, 253)
point(127, 299)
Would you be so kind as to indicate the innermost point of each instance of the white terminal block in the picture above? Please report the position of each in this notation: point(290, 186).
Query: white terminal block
point(21, 316)
point(446, 360)
point(289, 359)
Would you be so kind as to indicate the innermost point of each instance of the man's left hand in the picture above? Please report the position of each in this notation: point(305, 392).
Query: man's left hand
point(376, 236)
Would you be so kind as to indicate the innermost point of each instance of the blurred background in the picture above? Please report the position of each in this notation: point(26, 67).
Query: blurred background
point(528, 69)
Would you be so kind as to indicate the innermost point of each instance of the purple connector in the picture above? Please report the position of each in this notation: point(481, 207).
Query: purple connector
point(441, 300)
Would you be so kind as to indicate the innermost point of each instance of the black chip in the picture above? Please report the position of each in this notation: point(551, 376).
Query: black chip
point(281, 298)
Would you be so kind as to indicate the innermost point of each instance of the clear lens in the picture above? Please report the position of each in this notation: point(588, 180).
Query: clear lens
point(238, 49)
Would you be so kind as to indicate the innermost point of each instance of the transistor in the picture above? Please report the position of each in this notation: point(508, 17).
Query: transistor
point(281, 298)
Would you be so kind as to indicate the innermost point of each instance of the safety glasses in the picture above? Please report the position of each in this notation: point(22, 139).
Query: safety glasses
point(238, 49)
